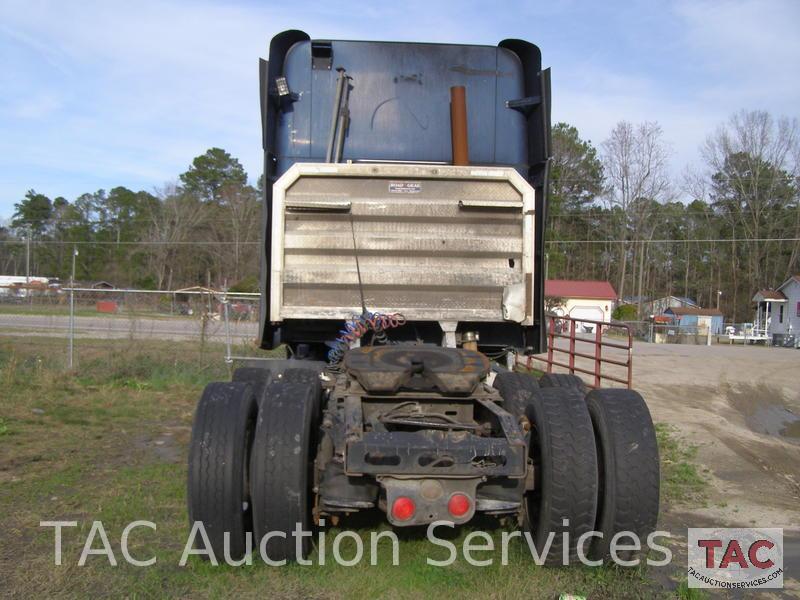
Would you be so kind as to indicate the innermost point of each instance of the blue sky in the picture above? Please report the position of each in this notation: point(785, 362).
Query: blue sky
point(95, 94)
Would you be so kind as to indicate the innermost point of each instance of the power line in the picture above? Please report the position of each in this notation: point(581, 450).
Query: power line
point(227, 243)
point(121, 243)
point(675, 241)
point(605, 214)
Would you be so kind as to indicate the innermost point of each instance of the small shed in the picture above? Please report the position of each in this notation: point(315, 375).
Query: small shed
point(582, 299)
point(696, 320)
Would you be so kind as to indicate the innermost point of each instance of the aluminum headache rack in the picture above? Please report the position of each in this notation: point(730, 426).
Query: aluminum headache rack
point(436, 243)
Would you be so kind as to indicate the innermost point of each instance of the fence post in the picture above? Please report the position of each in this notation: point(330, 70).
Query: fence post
point(630, 358)
point(552, 335)
point(572, 347)
point(70, 353)
point(226, 313)
point(598, 354)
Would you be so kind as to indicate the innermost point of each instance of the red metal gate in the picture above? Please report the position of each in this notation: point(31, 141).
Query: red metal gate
point(556, 327)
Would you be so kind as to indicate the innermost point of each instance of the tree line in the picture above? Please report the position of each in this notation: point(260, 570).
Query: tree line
point(716, 234)
point(202, 230)
point(616, 211)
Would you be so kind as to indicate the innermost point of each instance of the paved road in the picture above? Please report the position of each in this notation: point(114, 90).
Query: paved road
point(182, 328)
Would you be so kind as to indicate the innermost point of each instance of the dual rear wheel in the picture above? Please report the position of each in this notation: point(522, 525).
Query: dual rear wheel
point(249, 463)
point(595, 464)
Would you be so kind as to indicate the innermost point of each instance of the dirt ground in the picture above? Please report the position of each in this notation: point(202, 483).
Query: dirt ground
point(740, 405)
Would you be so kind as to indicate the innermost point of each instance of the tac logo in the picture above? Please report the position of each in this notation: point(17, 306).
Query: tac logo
point(735, 558)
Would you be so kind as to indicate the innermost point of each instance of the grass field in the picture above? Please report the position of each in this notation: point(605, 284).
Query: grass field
point(84, 310)
point(109, 443)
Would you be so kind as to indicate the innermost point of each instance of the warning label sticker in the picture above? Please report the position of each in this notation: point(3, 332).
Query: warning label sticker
point(405, 187)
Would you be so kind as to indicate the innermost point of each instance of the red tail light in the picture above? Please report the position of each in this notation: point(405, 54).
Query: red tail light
point(403, 508)
point(458, 505)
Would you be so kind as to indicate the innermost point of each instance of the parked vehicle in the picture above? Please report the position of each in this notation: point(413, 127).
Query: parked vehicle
point(404, 221)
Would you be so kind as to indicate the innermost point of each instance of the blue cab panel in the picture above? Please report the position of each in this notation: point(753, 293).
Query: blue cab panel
point(399, 109)
point(400, 103)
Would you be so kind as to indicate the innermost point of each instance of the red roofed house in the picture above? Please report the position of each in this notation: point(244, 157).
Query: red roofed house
point(584, 299)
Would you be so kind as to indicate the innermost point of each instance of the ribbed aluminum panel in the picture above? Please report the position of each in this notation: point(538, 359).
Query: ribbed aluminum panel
point(433, 242)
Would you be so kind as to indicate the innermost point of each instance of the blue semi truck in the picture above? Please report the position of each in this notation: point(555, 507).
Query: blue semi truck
point(401, 269)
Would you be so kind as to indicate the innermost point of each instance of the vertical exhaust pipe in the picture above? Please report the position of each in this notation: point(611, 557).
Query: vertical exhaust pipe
point(458, 125)
point(341, 82)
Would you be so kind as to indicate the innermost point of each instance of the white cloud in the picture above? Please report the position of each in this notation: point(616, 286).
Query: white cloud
point(128, 92)
point(707, 61)
point(133, 91)
point(749, 50)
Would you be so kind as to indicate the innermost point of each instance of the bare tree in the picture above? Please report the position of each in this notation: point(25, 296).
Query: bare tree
point(751, 164)
point(237, 227)
point(635, 161)
point(173, 227)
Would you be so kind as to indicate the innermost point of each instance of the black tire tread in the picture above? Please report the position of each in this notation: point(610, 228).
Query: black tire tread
point(309, 377)
point(217, 463)
point(255, 376)
point(562, 380)
point(301, 375)
point(568, 467)
point(625, 432)
point(279, 465)
point(517, 390)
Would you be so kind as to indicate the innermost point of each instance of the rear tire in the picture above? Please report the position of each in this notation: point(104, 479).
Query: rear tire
point(257, 378)
point(308, 377)
point(562, 380)
point(629, 467)
point(565, 468)
point(280, 466)
point(517, 390)
point(218, 493)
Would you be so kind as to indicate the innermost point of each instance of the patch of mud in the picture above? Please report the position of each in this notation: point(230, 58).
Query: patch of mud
point(753, 476)
point(163, 446)
point(765, 410)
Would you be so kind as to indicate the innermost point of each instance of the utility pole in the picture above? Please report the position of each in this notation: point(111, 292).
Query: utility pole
point(546, 266)
point(28, 263)
point(27, 255)
point(70, 361)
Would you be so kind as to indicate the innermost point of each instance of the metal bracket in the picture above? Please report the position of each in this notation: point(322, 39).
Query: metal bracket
point(318, 206)
point(508, 423)
point(281, 94)
point(524, 105)
point(321, 55)
point(353, 424)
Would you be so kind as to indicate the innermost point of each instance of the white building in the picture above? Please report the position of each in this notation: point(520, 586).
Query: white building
point(778, 311)
point(582, 299)
point(17, 285)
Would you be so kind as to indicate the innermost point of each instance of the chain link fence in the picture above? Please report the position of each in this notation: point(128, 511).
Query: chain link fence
point(674, 333)
point(208, 323)
point(203, 321)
